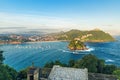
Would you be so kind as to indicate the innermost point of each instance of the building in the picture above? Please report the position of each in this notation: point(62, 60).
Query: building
point(64, 73)
point(35, 73)
point(57, 73)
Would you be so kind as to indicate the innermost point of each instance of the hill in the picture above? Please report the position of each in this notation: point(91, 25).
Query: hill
point(95, 35)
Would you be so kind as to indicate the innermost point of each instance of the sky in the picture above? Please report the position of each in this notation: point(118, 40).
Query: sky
point(60, 14)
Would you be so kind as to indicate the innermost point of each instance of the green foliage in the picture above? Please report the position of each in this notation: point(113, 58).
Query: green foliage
point(51, 64)
point(1, 57)
point(12, 72)
point(91, 62)
point(73, 34)
point(71, 63)
point(108, 69)
point(100, 35)
point(97, 35)
point(95, 65)
point(22, 74)
point(117, 73)
point(4, 75)
point(100, 66)
point(6, 72)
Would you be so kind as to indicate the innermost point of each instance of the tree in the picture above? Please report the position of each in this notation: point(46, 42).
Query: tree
point(22, 74)
point(100, 66)
point(11, 72)
point(117, 73)
point(1, 57)
point(6, 72)
point(108, 69)
point(71, 63)
point(49, 64)
point(89, 61)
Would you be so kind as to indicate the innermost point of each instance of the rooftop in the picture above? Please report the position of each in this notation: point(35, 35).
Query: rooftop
point(64, 73)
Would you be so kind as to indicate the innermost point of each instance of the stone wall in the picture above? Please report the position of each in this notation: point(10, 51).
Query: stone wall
point(98, 76)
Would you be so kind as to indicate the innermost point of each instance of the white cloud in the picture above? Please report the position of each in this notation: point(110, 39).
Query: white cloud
point(46, 22)
point(32, 21)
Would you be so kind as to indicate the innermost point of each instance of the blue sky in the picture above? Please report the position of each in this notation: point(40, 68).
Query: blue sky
point(61, 14)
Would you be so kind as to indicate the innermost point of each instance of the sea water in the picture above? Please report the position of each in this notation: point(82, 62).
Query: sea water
point(21, 56)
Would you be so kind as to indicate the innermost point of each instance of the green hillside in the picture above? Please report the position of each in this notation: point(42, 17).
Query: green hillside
point(86, 36)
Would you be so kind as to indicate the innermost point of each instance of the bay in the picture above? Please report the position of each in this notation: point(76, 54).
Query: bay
point(22, 55)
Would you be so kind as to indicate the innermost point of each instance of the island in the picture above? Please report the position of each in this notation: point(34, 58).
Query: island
point(77, 38)
point(77, 45)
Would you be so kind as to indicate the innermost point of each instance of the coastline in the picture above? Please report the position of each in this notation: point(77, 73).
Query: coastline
point(64, 51)
point(13, 42)
point(94, 41)
point(42, 41)
point(34, 42)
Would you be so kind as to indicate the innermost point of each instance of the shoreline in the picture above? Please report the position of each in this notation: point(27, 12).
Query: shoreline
point(44, 41)
point(54, 41)
point(35, 42)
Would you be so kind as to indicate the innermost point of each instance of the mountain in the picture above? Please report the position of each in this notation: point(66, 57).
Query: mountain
point(95, 35)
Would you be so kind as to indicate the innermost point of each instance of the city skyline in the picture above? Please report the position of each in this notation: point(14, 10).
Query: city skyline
point(60, 14)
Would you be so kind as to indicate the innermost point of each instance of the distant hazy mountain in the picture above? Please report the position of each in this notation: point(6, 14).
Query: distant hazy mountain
point(24, 31)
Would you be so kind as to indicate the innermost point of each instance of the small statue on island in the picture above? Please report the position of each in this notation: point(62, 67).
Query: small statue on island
point(77, 45)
